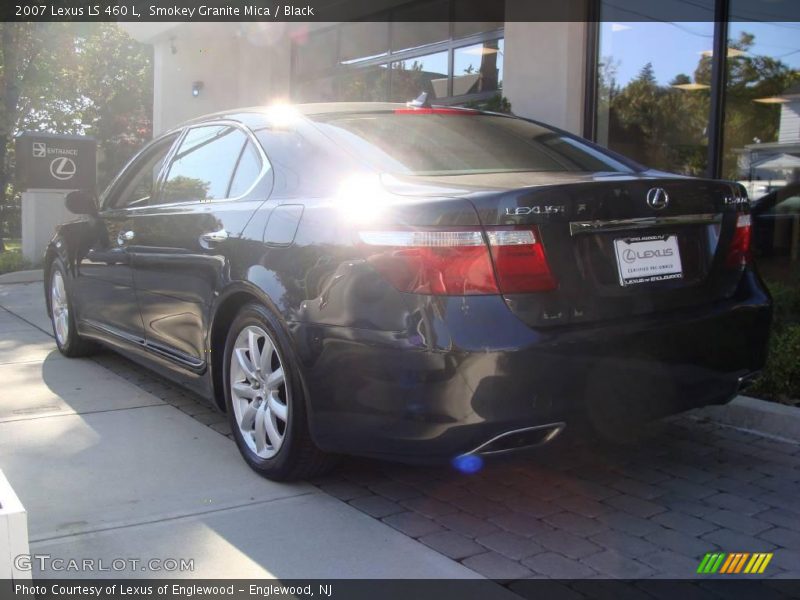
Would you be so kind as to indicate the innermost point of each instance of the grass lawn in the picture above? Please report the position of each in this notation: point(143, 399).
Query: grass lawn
point(12, 259)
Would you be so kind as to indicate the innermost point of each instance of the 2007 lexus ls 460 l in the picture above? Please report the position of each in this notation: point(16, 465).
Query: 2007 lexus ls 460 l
point(410, 282)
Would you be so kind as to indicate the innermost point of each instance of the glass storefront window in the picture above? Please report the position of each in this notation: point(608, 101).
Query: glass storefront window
point(361, 41)
point(316, 52)
point(366, 84)
point(653, 94)
point(762, 105)
point(399, 59)
point(420, 24)
point(478, 68)
point(761, 144)
point(420, 74)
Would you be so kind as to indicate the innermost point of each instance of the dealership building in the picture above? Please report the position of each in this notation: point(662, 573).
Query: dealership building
point(713, 95)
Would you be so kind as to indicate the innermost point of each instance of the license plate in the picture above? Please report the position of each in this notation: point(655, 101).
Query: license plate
point(649, 258)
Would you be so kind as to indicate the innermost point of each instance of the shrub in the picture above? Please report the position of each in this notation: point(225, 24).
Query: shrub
point(13, 261)
point(781, 378)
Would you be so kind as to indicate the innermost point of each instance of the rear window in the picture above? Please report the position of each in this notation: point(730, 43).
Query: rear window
point(459, 144)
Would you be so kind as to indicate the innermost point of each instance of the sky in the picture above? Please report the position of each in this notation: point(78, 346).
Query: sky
point(675, 48)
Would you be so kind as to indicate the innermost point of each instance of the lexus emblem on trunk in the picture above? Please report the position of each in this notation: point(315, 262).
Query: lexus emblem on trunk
point(657, 198)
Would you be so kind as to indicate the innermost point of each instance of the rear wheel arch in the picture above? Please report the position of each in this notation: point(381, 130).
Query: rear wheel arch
point(227, 308)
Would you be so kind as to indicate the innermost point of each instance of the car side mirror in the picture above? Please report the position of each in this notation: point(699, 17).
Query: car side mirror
point(81, 202)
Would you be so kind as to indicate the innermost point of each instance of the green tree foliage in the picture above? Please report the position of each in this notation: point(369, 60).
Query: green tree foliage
point(751, 77)
point(182, 188)
point(661, 126)
point(72, 78)
point(666, 126)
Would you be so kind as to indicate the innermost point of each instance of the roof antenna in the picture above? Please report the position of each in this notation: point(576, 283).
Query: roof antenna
point(420, 101)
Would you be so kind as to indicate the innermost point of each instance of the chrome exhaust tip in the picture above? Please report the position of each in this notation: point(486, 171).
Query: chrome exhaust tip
point(519, 439)
point(745, 381)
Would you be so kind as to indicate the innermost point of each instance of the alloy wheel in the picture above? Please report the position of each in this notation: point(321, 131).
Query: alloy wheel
point(259, 391)
point(59, 308)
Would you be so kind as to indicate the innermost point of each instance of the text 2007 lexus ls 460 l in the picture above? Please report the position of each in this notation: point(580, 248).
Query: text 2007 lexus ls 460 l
point(410, 282)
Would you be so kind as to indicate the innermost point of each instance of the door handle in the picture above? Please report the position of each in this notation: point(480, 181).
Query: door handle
point(214, 237)
point(124, 237)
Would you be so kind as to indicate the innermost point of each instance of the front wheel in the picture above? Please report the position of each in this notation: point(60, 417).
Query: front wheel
point(265, 401)
point(62, 315)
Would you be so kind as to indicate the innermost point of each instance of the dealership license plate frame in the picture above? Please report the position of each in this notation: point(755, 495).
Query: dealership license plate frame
point(655, 257)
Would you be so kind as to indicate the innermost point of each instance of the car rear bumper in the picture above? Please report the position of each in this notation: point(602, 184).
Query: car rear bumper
point(392, 395)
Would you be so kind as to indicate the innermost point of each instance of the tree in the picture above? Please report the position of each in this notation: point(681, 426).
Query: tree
point(72, 78)
point(751, 77)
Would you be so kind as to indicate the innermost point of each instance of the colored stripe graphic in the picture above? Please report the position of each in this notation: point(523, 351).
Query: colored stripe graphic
point(741, 562)
point(734, 562)
point(727, 565)
point(703, 568)
point(717, 563)
point(767, 558)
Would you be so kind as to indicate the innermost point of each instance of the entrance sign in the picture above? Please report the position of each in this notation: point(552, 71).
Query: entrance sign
point(56, 162)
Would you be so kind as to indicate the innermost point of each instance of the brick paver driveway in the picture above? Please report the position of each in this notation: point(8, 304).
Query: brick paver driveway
point(574, 509)
point(578, 509)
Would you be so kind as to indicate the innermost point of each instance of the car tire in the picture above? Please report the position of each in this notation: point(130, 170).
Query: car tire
point(62, 314)
point(265, 400)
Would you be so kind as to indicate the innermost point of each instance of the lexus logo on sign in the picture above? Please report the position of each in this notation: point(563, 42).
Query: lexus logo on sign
point(63, 168)
point(657, 198)
point(55, 162)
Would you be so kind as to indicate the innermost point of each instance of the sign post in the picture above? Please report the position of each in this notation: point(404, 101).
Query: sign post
point(47, 167)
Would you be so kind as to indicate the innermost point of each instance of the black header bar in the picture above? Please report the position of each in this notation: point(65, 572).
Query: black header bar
point(394, 10)
point(394, 589)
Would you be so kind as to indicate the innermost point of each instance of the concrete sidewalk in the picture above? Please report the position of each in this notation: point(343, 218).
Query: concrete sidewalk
point(108, 471)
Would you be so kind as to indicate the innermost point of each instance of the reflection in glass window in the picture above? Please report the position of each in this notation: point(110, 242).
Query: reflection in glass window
point(762, 105)
point(141, 185)
point(419, 24)
point(246, 171)
point(362, 40)
point(366, 84)
point(316, 51)
point(654, 87)
point(318, 89)
point(421, 74)
point(478, 68)
point(202, 167)
point(761, 144)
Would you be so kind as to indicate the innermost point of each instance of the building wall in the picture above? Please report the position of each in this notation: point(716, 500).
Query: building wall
point(545, 72)
point(238, 64)
point(789, 131)
point(245, 64)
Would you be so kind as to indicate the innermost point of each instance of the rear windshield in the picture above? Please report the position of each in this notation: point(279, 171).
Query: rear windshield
point(459, 144)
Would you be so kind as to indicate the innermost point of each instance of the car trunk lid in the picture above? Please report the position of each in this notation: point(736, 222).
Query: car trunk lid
point(617, 245)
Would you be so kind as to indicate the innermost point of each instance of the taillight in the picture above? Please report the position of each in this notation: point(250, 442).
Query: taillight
point(739, 248)
point(459, 262)
point(520, 261)
point(452, 263)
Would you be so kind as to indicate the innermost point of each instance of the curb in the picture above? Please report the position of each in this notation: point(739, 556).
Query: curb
point(759, 416)
point(31, 276)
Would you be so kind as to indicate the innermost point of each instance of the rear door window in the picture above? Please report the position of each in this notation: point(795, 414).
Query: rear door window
point(247, 171)
point(203, 165)
point(139, 183)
